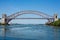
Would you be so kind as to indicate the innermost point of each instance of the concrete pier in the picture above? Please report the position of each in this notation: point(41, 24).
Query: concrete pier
point(4, 19)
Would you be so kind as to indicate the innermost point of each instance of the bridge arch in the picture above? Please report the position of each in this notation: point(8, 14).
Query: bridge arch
point(29, 12)
point(14, 15)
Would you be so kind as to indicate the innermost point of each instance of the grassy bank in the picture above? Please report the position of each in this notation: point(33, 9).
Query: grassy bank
point(56, 23)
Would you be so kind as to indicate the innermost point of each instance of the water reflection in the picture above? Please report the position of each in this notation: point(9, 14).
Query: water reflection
point(30, 32)
point(57, 33)
point(4, 31)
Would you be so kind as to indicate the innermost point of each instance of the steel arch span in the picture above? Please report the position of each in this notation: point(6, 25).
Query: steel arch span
point(14, 15)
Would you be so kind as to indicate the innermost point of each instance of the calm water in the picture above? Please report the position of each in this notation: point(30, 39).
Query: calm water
point(29, 32)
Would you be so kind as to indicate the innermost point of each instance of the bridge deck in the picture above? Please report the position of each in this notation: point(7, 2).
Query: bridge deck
point(33, 18)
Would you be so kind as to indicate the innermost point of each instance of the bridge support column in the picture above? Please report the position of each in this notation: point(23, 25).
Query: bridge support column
point(49, 21)
point(55, 17)
point(4, 19)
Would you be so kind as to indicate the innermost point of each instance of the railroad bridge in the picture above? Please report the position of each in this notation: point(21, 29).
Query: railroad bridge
point(6, 19)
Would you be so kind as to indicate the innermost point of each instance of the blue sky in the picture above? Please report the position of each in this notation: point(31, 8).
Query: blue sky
point(47, 6)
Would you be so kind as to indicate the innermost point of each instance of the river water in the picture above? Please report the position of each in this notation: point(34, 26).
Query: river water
point(29, 32)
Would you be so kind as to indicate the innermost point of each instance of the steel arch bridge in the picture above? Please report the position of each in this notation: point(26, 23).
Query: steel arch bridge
point(7, 19)
point(29, 12)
